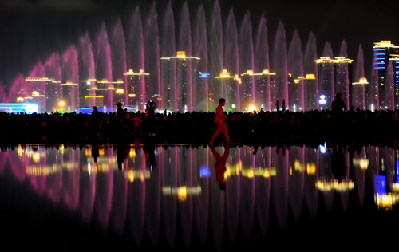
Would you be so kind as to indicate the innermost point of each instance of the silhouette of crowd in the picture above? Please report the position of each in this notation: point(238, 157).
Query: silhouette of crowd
point(192, 127)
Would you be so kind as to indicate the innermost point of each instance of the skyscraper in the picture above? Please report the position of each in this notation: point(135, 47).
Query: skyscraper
point(334, 77)
point(359, 93)
point(228, 86)
point(44, 91)
point(136, 89)
point(262, 90)
point(383, 52)
point(180, 79)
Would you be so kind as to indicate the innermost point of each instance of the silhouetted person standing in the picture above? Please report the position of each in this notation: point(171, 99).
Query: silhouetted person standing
point(119, 110)
point(220, 166)
point(221, 124)
point(338, 105)
point(277, 105)
point(283, 105)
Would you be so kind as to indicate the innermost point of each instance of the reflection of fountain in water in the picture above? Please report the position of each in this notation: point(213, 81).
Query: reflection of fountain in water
point(179, 199)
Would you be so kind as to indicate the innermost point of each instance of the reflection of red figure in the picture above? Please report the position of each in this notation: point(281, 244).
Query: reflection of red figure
point(220, 166)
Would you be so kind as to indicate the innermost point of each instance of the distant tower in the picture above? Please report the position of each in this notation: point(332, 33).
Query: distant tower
point(136, 89)
point(334, 77)
point(180, 82)
point(359, 93)
point(310, 92)
point(44, 91)
point(228, 86)
point(383, 52)
point(70, 92)
point(262, 87)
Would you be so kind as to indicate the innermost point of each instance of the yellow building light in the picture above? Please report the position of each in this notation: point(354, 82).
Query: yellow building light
point(35, 93)
point(251, 108)
point(224, 74)
point(327, 185)
point(20, 99)
point(130, 72)
point(132, 95)
point(250, 72)
point(386, 201)
point(61, 103)
point(296, 81)
point(384, 44)
point(180, 54)
point(35, 79)
point(362, 81)
point(94, 96)
point(311, 168)
point(362, 163)
point(120, 91)
point(132, 153)
point(237, 78)
point(310, 77)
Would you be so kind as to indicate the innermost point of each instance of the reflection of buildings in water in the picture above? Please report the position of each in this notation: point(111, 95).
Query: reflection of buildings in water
point(296, 180)
point(361, 163)
point(386, 186)
point(104, 193)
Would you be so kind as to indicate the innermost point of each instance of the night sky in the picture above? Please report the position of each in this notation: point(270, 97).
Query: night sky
point(31, 29)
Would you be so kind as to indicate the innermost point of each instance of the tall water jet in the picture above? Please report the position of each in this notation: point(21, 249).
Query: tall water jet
point(168, 48)
point(310, 68)
point(215, 57)
point(118, 56)
point(87, 70)
point(342, 81)
point(262, 65)
point(70, 78)
point(326, 77)
point(135, 57)
point(359, 88)
point(151, 52)
point(104, 67)
point(186, 73)
point(36, 90)
point(200, 49)
point(295, 70)
point(53, 70)
point(230, 88)
point(279, 88)
point(247, 63)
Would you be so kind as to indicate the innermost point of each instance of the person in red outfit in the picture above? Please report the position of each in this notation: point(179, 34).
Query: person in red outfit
point(221, 125)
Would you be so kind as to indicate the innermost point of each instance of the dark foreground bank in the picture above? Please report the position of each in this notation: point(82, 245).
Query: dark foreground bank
point(195, 127)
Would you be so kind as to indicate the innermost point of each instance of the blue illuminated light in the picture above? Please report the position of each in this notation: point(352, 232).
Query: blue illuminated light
point(379, 68)
point(28, 108)
point(323, 100)
point(381, 184)
point(323, 148)
point(204, 75)
point(204, 172)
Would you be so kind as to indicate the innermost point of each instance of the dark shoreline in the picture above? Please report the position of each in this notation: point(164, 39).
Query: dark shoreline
point(270, 128)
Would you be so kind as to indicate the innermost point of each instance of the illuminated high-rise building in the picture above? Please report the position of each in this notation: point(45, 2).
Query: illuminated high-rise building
point(333, 78)
point(180, 78)
point(262, 99)
point(310, 92)
point(228, 89)
point(248, 102)
point(297, 86)
point(394, 60)
point(136, 89)
point(44, 91)
point(359, 93)
point(383, 52)
point(70, 95)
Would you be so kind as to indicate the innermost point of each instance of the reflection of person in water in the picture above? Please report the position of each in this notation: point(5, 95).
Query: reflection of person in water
point(94, 152)
point(220, 166)
point(149, 155)
point(338, 164)
point(122, 151)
